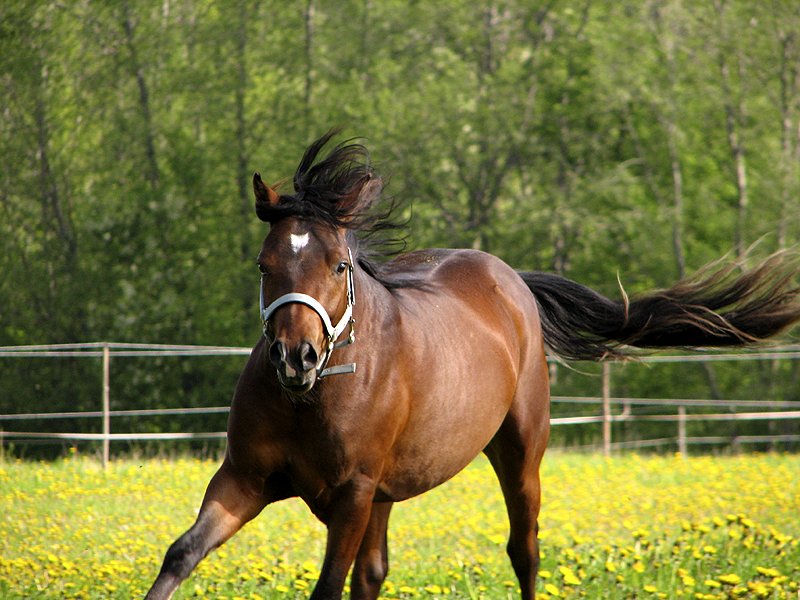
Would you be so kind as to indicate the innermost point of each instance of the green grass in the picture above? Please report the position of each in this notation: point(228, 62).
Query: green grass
point(626, 527)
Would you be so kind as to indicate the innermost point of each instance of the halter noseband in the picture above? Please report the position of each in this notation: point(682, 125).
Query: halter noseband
point(332, 332)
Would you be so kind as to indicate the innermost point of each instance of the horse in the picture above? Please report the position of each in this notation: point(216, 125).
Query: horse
point(378, 378)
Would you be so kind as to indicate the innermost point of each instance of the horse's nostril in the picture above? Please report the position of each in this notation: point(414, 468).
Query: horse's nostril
point(277, 353)
point(308, 356)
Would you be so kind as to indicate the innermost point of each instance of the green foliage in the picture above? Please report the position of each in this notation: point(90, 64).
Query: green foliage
point(550, 135)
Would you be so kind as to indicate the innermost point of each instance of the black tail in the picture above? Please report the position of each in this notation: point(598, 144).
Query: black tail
point(719, 306)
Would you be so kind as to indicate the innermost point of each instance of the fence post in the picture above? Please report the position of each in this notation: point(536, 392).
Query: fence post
point(606, 409)
point(682, 431)
point(106, 402)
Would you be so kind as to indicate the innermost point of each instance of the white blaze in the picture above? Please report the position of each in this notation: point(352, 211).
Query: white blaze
point(298, 242)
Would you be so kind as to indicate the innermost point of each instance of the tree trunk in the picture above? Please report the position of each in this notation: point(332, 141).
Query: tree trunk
point(308, 18)
point(668, 118)
point(790, 145)
point(152, 173)
point(61, 254)
point(52, 206)
point(734, 117)
point(242, 159)
point(243, 186)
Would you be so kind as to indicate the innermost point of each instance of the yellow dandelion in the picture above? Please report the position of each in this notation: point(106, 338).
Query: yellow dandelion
point(768, 571)
point(552, 590)
point(569, 576)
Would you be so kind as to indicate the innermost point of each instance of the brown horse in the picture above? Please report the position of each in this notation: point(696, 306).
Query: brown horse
point(448, 361)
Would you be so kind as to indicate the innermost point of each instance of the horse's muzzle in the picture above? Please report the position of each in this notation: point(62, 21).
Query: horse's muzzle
point(296, 367)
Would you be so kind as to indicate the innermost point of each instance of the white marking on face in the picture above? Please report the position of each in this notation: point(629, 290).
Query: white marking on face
point(298, 242)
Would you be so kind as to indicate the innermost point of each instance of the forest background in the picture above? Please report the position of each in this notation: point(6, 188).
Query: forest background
point(592, 139)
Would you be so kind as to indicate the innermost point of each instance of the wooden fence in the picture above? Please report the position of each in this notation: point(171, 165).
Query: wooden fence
point(610, 409)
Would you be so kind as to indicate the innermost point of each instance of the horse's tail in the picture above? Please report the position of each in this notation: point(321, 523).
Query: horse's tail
point(718, 306)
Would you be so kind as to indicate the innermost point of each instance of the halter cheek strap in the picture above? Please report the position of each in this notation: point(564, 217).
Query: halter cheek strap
point(332, 332)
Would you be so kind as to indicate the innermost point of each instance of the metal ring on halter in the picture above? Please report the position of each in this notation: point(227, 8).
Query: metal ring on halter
point(332, 332)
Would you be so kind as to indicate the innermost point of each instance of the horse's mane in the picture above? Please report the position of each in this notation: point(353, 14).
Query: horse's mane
point(325, 190)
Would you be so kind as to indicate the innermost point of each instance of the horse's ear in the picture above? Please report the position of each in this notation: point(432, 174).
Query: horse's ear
point(266, 197)
point(363, 194)
point(370, 191)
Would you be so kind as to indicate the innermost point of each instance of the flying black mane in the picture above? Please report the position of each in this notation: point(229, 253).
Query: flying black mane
point(326, 190)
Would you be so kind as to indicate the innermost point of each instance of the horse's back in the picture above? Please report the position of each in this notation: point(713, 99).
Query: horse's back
point(454, 269)
point(465, 281)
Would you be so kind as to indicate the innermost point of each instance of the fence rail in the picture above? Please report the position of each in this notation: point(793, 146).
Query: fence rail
point(107, 350)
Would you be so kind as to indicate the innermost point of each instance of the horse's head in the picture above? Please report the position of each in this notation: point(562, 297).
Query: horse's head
point(307, 297)
point(306, 263)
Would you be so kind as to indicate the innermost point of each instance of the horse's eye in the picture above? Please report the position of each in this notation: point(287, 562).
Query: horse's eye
point(262, 269)
point(341, 267)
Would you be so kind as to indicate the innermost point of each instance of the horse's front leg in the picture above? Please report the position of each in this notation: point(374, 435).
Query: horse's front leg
point(346, 516)
point(372, 560)
point(231, 500)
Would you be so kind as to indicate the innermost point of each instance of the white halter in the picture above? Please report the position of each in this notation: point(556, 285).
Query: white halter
point(332, 332)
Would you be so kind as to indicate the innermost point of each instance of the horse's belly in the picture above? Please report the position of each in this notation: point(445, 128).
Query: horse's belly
point(410, 482)
point(437, 449)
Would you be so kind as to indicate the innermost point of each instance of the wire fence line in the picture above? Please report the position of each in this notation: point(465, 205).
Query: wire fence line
point(97, 350)
point(101, 437)
point(141, 412)
point(107, 350)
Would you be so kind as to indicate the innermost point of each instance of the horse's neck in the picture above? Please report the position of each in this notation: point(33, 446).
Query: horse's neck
point(376, 308)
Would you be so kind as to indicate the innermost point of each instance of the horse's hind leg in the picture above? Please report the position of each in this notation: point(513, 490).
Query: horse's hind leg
point(515, 453)
point(372, 561)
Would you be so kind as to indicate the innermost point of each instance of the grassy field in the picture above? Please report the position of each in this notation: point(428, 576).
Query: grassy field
point(626, 527)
